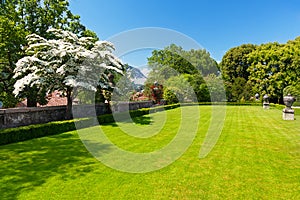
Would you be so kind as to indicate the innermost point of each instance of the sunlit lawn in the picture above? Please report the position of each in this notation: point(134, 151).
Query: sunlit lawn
point(257, 157)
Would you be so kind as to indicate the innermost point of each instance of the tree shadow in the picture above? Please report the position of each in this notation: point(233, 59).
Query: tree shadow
point(26, 165)
point(143, 120)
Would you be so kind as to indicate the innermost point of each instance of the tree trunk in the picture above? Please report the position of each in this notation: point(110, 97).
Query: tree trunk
point(31, 102)
point(69, 104)
point(32, 98)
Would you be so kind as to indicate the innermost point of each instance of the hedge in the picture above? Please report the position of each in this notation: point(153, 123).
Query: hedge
point(12, 135)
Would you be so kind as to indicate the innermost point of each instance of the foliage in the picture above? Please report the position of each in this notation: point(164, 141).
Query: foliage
point(273, 67)
point(240, 89)
point(174, 57)
point(191, 66)
point(181, 89)
point(234, 66)
point(169, 96)
point(169, 59)
point(20, 18)
point(293, 90)
point(216, 88)
point(202, 61)
point(235, 63)
point(12, 39)
point(157, 92)
point(12, 135)
point(65, 63)
point(264, 69)
point(124, 89)
point(199, 86)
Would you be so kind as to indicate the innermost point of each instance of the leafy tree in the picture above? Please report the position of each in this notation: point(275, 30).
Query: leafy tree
point(203, 94)
point(241, 89)
point(174, 61)
point(235, 62)
point(234, 68)
point(169, 59)
point(11, 41)
point(293, 90)
point(169, 96)
point(22, 17)
point(263, 69)
point(216, 88)
point(199, 86)
point(270, 72)
point(181, 88)
point(202, 61)
point(65, 63)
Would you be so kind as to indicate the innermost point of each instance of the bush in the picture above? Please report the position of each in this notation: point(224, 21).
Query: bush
point(12, 135)
point(170, 97)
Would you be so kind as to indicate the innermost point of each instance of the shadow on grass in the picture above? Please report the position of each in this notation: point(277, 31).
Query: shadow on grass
point(142, 120)
point(26, 165)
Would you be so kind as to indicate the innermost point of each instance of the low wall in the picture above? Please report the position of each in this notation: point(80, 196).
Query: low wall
point(15, 117)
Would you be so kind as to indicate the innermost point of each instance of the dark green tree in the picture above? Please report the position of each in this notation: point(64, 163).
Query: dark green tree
point(235, 65)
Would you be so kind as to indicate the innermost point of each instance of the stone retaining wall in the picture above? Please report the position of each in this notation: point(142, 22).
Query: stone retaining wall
point(15, 117)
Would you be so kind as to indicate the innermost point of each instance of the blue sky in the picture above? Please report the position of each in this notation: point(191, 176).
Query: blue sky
point(217, 25)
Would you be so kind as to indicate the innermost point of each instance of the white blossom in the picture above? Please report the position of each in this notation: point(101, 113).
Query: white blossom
point(66, 62)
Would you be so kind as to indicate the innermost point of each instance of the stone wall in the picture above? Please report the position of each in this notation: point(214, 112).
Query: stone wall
point(15, 117)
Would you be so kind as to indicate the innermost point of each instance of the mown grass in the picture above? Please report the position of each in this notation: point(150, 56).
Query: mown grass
point(257, 157)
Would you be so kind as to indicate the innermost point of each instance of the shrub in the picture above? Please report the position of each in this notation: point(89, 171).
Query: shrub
point(170, 97)
point(12, 135)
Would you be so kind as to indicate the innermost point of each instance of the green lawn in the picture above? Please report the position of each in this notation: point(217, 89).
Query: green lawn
point(256, 157)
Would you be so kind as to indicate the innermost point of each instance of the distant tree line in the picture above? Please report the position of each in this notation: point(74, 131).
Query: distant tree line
point(270, 68)
point(187, 75)
point(244, 71)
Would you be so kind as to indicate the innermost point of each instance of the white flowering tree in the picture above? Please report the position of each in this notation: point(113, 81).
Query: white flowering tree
point(66, 62)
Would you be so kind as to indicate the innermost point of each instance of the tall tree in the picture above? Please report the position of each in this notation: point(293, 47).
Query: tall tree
point(65, 63)
point(234, 68)
point(273, 67)
point(169, 59)
point(22, 17)
point(11, 42)
point(202, 61)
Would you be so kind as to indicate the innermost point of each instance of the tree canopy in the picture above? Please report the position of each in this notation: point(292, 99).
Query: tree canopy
point(178, 69)
point(265, 69)
point(19, 18)
point(65, 63)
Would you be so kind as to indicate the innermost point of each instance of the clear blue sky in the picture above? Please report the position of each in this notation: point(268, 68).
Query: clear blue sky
point(217, 25)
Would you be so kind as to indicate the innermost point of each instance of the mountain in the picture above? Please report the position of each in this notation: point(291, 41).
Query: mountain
point(135, 75)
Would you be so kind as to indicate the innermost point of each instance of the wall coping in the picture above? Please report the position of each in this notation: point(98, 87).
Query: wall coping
point(47, 108)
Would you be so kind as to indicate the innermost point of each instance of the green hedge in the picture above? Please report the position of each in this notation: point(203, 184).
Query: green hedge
point(277, 106)
point(12, 135)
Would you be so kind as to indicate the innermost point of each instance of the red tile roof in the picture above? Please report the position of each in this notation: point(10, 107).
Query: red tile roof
point(54, 99)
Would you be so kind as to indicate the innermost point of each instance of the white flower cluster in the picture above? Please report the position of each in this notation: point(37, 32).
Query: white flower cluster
point(66, 61)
